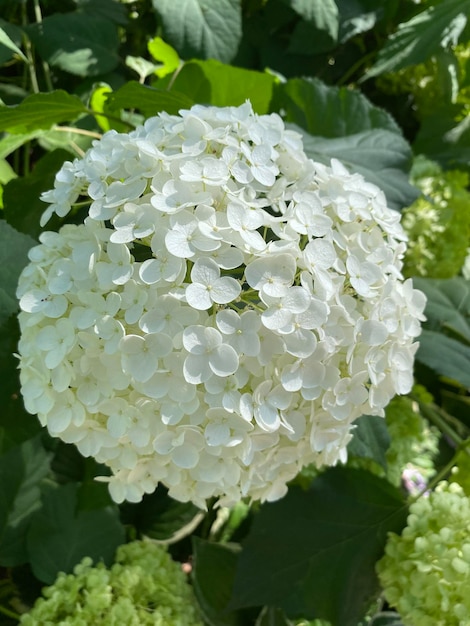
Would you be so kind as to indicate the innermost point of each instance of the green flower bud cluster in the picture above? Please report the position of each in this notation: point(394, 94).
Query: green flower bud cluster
point(143, 587)
point(438, 222)
point(425, 573)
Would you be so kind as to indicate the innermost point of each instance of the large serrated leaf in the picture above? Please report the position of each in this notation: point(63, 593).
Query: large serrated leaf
point(60, 535)
point(329, 111)
point(77, 43)
point(381, 156)
point(445, 339)
point(305, 555)
point(207, 29)
point(14, 248)
point(423, 35)
point(41, 110)
point(21, 468)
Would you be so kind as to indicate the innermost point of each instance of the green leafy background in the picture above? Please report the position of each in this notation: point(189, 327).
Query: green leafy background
point(372, 84)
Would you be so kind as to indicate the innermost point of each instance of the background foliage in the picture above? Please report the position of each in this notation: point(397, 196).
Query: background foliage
point(374, 84)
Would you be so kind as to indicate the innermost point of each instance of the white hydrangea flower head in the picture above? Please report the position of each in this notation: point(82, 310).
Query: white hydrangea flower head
point(225, 312)
point(425, 572)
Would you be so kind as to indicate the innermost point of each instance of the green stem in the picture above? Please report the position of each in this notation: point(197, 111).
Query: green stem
point(9, 613)
point(78, 131)
point(440, 419)
point(45, 65)
point(437, 478)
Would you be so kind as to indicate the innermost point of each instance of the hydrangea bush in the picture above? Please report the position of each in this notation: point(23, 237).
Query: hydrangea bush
point(226, 310)
point(425, 572)
point(143, 587)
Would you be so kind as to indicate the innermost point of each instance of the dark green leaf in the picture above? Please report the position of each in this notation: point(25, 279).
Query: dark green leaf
point(211, 82)
point(77, 43)
point(357, 16)
point(14, 248)
point(445, 356)
point(371, 440)
point(305, 555)
point(208, 29)
point(22, 468)
point(16, 425)
point(40, 110)
point(381, 156)
point(318, 29)
point(387, 618)
point(60, 535)
point(445, 140)
point(416, 40)
point(448, 305)
point(22, 202)
point(148, 100)
point(108, 9)
point(162, 518)
point(213, 574)
point(330, 111)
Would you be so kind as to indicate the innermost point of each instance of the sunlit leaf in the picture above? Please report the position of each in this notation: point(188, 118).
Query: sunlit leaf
point(438, 26)
point(40, 110)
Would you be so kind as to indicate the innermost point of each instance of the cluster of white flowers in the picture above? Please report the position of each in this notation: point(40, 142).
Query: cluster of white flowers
point(224, 313)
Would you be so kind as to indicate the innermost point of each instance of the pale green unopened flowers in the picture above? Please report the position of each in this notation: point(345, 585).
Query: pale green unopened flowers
point(144, 587)
point(425, 573)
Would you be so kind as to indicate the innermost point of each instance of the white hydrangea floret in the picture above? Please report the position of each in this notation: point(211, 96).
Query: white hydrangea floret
point(225, 312)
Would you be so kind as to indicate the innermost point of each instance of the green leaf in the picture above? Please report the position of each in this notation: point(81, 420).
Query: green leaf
point(7, 42)
point(318, 30)
point(60, 535)
point(202, 28)
point(381, 156)
point(212, 82)
point(371, 439)
point(329, 111)
point(445, 356)
point(14, 248)
point(164, 519)
point(148, 100)
point(16, 425)
point(445, 140)
point(271, 616)
point(40, 110)
point(23, 206)
point(213, 575)
point(10, 143)
point(416, 40)
point(107, 9)
point(22, 469)
point(77, 43)
point(444, 343)
point(163, 52)
point(448, 305)
point(305, 555)
point(356, 17)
